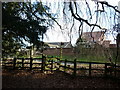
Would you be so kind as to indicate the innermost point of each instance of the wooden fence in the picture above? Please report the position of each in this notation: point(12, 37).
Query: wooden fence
point(75, 67)
point(29, 63)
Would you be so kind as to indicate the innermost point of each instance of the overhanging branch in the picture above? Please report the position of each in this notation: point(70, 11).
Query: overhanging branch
point(106, 3)
point(81, 19)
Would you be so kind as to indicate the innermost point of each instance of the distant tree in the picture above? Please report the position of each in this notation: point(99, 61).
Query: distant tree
point(23, 21)
point(116, 28)
point(93, 18)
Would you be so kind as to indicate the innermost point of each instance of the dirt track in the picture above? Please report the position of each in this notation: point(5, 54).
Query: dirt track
point(25, 79)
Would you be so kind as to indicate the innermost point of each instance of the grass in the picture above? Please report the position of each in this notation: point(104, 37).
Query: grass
point(90, 59)
point(87, 59)
point(79, 58)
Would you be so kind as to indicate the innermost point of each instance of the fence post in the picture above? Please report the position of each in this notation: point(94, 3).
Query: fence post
point(65, 65)
point(23, 63)
point(31, 60)
point(58, 63)
point(14, 63)
point(51, 65)
point(90, 69)
point(75, 65)
point(43, 63)
point(3, 63)
point(105, 69)
point(115, 71)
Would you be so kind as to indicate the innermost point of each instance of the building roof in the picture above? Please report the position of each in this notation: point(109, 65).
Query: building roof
point(58, 44)
point(113, 45)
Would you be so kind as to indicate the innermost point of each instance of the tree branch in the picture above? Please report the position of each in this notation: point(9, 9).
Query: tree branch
point(106, 3)
point(81, 19)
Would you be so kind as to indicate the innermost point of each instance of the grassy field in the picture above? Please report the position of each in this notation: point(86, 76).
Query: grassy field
point(80, 58)
point(87, 59)
point(90, 59)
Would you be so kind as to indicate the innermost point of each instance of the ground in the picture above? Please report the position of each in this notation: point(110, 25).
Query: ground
point(32, 79)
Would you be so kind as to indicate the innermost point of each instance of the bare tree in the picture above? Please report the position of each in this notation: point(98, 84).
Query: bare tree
point(88, 14)
point(102, 10)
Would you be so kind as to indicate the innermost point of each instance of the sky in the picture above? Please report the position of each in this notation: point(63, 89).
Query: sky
point(56, 35)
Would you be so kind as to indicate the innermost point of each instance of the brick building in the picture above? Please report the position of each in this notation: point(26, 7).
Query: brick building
point(97, 37)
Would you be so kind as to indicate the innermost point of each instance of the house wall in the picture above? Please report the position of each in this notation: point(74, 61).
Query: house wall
point(98, 36)
point(56, 51)
point(106, 43)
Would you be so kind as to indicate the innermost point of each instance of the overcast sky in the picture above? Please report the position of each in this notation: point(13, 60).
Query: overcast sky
point(55, 35)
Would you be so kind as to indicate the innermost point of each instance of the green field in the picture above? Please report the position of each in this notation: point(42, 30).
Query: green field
point(87, 59)
point(80, 58)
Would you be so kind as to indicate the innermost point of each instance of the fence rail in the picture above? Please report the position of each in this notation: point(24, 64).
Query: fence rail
point(74, 67)
point(107, 68)
point(29, 63)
